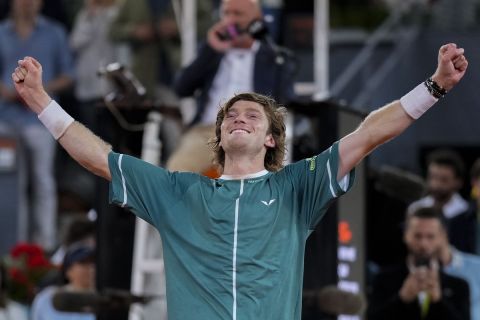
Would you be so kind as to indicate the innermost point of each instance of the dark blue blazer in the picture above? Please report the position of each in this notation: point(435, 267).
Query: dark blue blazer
point(269, 77)
point(385, 304)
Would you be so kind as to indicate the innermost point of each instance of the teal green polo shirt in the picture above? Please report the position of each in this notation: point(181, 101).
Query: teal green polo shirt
point(233, 249)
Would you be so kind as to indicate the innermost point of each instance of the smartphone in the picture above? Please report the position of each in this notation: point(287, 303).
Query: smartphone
point(231, 32)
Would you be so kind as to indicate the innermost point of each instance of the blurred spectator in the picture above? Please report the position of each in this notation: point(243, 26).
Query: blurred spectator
point(475, 203)
point(80, 231)
point(465, 266)
point(135, 26)
point(419, 289)
point(93, 50)
point(145, 32)
point(26, 33)
point(230, 62)
point(445, 171)
point(79, 272)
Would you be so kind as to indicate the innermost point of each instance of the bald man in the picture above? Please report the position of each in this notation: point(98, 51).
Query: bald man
point(230, 62)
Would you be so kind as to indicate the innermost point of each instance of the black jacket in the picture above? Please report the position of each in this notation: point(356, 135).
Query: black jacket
point(385, 303)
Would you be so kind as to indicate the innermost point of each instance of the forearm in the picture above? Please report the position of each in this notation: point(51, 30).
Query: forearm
point(379, 127)
point(87, 149)
point(383, 125)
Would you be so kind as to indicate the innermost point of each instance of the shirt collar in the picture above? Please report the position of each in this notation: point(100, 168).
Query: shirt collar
point(247, 176)
point(252, 50)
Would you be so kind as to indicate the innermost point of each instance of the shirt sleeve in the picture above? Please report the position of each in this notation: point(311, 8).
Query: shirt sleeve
point(315, 184)
point(144, 189)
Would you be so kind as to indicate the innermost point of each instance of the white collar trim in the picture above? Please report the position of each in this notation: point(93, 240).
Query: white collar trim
point(247, 176)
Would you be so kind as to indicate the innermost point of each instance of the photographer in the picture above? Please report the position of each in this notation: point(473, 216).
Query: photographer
point(420, 289)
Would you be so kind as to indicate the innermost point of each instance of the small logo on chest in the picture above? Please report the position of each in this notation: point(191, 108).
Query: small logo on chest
point(268, 203)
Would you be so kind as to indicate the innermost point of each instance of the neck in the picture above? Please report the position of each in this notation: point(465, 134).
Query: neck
point(24, 25)
point(240, 165)
point(246, 43)
point(78, 287)
point(439, 203)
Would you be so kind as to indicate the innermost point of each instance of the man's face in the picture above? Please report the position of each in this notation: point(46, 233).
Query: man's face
point(442, 182)
point(240, 13)
point(26, 8)
point(245, 128)
point(424, 237)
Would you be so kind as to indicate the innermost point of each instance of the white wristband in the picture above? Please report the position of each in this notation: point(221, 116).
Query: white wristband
point(417, 101)
point(55, 119)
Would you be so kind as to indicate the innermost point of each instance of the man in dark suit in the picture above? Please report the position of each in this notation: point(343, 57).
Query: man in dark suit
point(230, 62)
point(445, 172)
point(419, 289)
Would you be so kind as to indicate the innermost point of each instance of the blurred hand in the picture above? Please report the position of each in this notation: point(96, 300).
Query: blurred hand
point(214, 40)
point(432, 284)
point(8, 94)
point(452, 65)
point(411, 287)
point(144, 32)
point(167, 28)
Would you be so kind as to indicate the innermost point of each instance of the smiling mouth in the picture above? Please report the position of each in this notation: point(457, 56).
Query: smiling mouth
point(239, 130)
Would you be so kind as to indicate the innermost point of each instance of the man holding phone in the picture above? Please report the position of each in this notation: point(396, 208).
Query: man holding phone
point(419, 289)
point(230, 62)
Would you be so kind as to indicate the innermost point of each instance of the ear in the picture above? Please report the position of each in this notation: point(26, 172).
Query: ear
point(269, 141)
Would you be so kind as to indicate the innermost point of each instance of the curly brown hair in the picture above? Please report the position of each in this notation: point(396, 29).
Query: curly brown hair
point(275, 115)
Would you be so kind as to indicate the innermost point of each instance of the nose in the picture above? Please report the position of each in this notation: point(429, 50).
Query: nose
point(239, 119)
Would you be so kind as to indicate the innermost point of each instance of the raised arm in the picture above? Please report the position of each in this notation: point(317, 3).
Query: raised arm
point(86, 148)
point(391, 120)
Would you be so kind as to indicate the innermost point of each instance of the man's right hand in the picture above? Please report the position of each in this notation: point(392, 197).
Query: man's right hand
point(214, 40)
point(27, 79)
point(411, 288)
